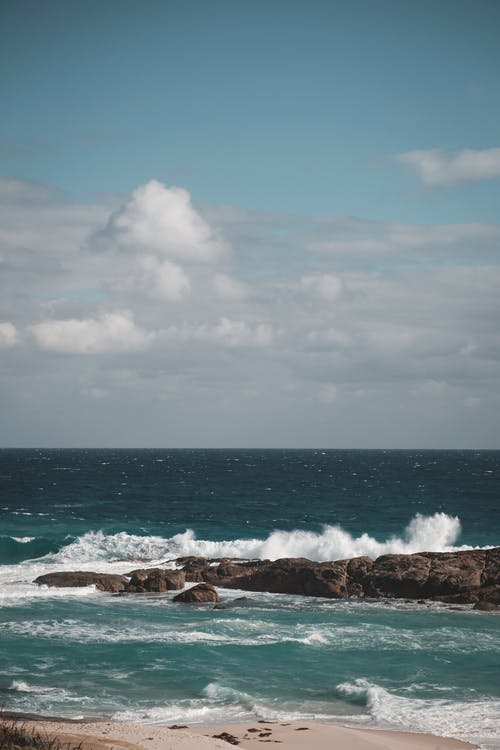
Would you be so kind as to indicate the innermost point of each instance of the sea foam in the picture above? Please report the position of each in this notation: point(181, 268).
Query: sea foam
point(436, 533)
point(474, 720)
point(223, 703)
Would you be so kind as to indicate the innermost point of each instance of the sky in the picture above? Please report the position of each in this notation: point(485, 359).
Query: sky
point(250, 224)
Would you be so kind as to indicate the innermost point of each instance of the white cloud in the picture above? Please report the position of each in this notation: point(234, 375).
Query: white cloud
point(325, 286)
point(239, 333)
point(379, 240)
point(228, 288)
point(111, 333)
point(158, 278)
point(435, 167)
point(406, 314)
point(226, 332)
point(162, 220)
point(8, 335)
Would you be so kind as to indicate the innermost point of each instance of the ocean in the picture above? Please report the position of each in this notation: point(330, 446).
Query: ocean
point(390, 664)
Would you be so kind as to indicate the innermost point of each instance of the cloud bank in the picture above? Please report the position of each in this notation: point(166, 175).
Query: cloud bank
point(152, 321)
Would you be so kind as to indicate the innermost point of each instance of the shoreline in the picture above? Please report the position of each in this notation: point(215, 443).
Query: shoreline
point(294, 735)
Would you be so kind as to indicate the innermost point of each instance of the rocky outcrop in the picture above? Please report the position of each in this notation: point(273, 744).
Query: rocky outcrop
point(468, 576)
point(462, 577)
point(202, 592)
point(102, 581)
point(155, 580)
point(151, 580)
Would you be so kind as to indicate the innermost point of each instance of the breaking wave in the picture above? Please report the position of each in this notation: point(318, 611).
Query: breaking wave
point(436, 533)
point(474, 720)
point(221, 703)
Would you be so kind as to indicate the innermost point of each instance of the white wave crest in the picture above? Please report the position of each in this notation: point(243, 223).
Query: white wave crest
point(15, 594)
point(436, 533)
point(23, 539)
point(223, 704)
point(24, 687)
point(474, 721)
point(97, 546)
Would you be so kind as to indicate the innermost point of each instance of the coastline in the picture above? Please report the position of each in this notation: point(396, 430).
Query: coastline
point(293, 735)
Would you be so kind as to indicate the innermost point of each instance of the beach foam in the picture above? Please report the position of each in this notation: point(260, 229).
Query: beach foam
point(474, 720)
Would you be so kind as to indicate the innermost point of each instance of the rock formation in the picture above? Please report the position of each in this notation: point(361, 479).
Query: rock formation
point(102, 581)
point(202, 592)
point(155, 580)
point(469, 576)
point(462, 577)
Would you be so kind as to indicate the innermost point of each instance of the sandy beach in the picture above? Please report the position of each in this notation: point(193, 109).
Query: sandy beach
point(107, 735)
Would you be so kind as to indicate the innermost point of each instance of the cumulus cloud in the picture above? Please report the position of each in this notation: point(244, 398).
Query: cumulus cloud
point(158, 278)
point(8, 335)
point(159, 219)
point(111, 333)
point(436, 167)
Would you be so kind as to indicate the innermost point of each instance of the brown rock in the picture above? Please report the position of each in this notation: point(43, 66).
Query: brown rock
point(202, 592)
point(491, 573)
point(102, 581)
point(192, 567)
point(155, 580)
point(487, 607)
point(397, 576)
point(464, 577)
point(452, 573)
point(489, 594)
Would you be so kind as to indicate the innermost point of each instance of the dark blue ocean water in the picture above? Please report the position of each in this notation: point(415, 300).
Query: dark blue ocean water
point(84, 653)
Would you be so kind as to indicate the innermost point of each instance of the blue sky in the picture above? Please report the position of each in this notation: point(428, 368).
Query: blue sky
point(298, 198)
point(282, 106)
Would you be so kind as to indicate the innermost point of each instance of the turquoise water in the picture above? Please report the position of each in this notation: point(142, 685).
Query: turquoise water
point(79, 652)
